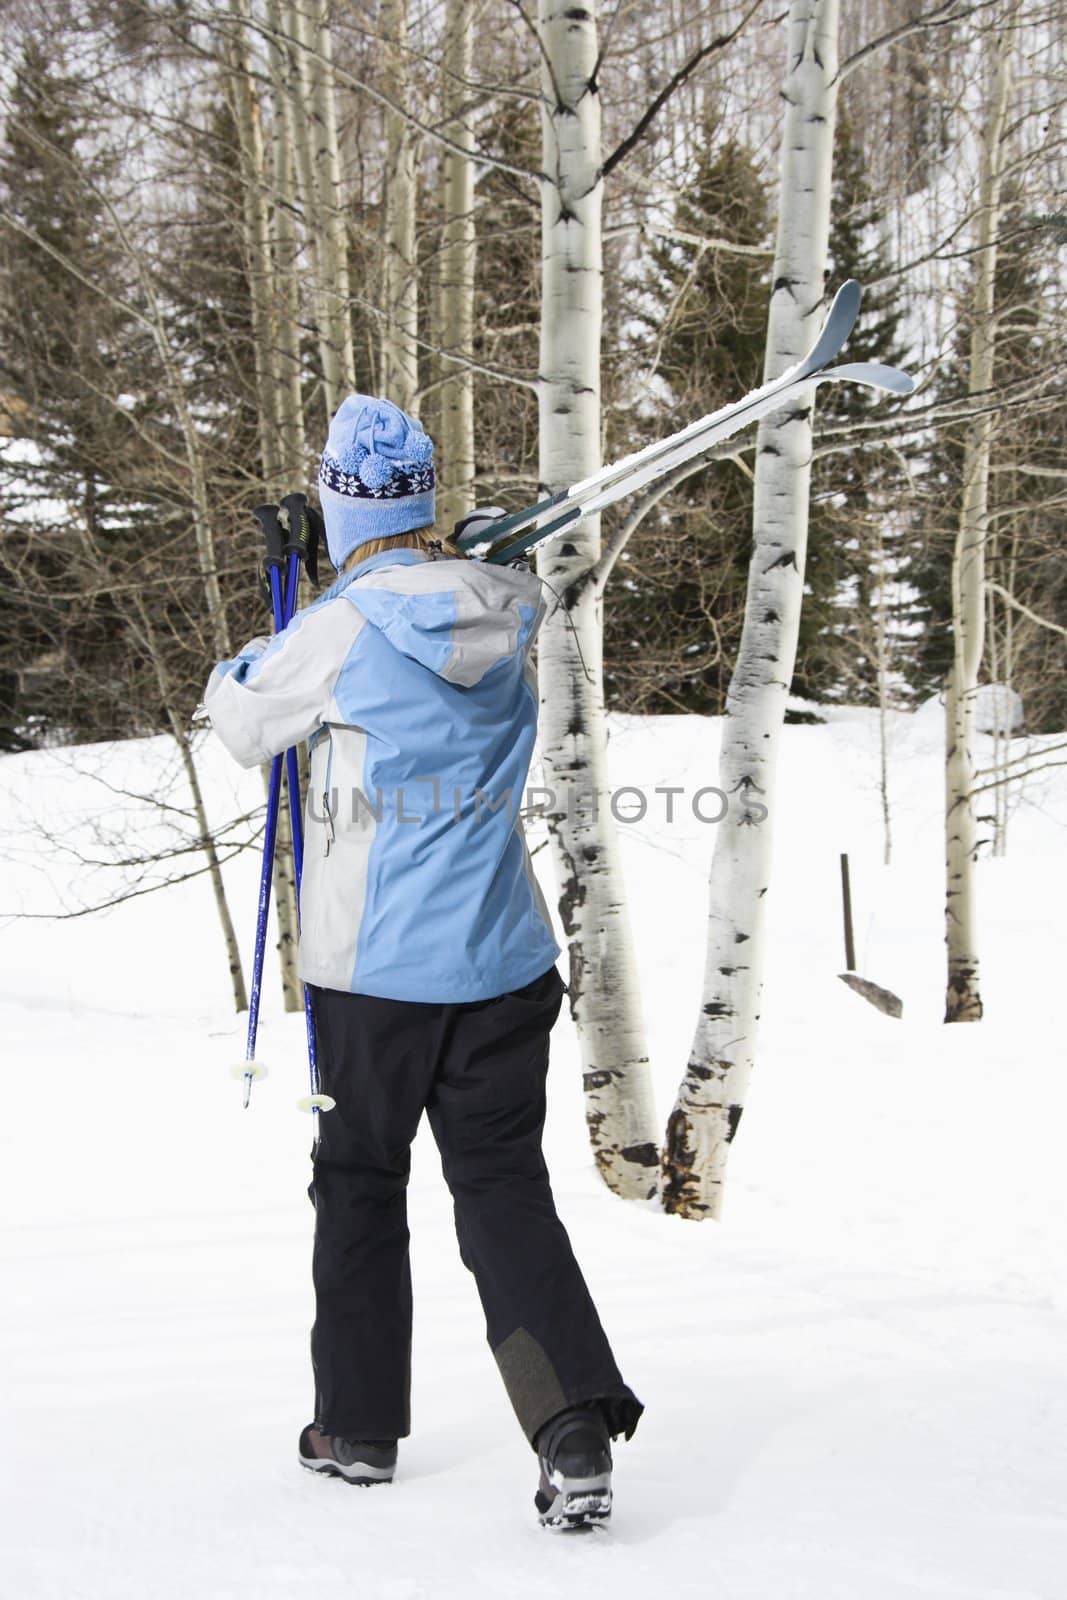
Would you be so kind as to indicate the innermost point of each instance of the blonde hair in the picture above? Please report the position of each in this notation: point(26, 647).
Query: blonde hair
point(417, 538)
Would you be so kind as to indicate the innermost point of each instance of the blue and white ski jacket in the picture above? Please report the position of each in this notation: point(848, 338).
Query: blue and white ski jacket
point(411, 680)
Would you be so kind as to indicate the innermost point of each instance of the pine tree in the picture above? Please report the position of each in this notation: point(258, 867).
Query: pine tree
point(855, 493)
point(65, 344)
point(675, 602)
point(507, 311)
point(204, 290)
point(1024, 554)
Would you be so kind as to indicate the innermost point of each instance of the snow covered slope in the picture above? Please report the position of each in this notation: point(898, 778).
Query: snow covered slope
point(855, 1384)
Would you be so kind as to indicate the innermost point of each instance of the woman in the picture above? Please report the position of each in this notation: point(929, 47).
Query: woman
point(430, 959)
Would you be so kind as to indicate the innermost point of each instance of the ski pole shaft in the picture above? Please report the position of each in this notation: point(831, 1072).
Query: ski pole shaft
point(281, 581)
point(292, 766)
point(300, 548)
point(265, 879)
point(272, 563)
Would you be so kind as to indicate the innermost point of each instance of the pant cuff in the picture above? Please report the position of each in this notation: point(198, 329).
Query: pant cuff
point(537, 1393)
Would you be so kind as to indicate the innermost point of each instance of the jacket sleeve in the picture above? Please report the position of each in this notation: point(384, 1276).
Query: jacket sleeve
point(277, 691)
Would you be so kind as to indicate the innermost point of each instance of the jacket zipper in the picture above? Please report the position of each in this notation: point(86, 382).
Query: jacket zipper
point(331, 831)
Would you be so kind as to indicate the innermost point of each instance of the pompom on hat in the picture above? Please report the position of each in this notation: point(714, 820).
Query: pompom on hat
point(376, 475)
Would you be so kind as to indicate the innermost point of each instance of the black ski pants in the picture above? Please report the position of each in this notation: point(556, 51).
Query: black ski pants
point(478, 1068)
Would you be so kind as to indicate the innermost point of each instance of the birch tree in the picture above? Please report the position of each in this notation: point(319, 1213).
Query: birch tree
point(285, 250)
point(280, 431)
point(455, 332)
point(309, 109)
point(710, 1099)
point(400, 290)
point(604, 991)
point(963, 1002)
point(262, 289)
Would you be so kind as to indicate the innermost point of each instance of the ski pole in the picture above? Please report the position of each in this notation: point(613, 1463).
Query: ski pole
point(301, 547)
point(250, 1068)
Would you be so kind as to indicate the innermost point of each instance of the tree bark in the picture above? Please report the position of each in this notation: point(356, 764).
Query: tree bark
point(963, 1001)
point(311, 123)
point(711, 1096)
point(336, 288)
point(280, 427)
point(292, 446)
point(257, 251)
point(455, 333)
point(604, 994)
point(400, 307)
point(285, 904)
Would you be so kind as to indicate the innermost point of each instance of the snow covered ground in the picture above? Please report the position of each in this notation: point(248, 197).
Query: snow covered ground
point(855, 1385)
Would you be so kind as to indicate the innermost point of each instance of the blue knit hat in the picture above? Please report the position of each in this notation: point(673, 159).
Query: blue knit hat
point(376, 475)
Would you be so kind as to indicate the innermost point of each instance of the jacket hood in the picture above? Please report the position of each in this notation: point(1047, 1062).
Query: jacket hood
point(460, 618)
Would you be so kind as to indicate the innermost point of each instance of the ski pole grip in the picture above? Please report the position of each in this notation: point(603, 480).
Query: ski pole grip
point(273, 536)
point(305, 531)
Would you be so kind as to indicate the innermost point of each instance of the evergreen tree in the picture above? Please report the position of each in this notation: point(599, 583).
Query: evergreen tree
point(1024, 554)
point(507, 310)
point(855, 493)
point(675, 602)
point(65, 340)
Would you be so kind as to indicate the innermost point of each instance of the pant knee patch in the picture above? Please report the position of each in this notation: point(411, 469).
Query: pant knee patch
point(531, 1380)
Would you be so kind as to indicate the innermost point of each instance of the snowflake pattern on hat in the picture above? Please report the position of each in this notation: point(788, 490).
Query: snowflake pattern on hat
point(403, 480)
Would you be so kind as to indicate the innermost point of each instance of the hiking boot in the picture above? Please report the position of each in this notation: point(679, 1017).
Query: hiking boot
point(574, 1452)
point(362, 1461)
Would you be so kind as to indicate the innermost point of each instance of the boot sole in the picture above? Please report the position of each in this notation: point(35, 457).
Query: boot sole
point(577, 1502)
point(362, 1476)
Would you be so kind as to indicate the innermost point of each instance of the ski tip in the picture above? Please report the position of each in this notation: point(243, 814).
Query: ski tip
point(874, 374)
point(847, 300)
point(838, 325)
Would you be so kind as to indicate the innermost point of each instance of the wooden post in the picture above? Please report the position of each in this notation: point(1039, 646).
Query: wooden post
point(846, 906)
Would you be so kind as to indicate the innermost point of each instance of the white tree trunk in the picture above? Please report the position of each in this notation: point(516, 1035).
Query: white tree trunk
point(336, 289)
point(257, 250)
point(274, 404)
point(963, 1002)
point(455, 331)
point(604, 994)
point(400, 300)
point(311, 123)
point(883, 664)
point(292, 443)
point(711, 1096)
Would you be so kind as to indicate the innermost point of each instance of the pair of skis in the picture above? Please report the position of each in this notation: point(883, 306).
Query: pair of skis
point(502, 538)
point(286, 549)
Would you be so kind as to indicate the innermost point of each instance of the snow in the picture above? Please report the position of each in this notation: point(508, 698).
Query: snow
point(854, 1384)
